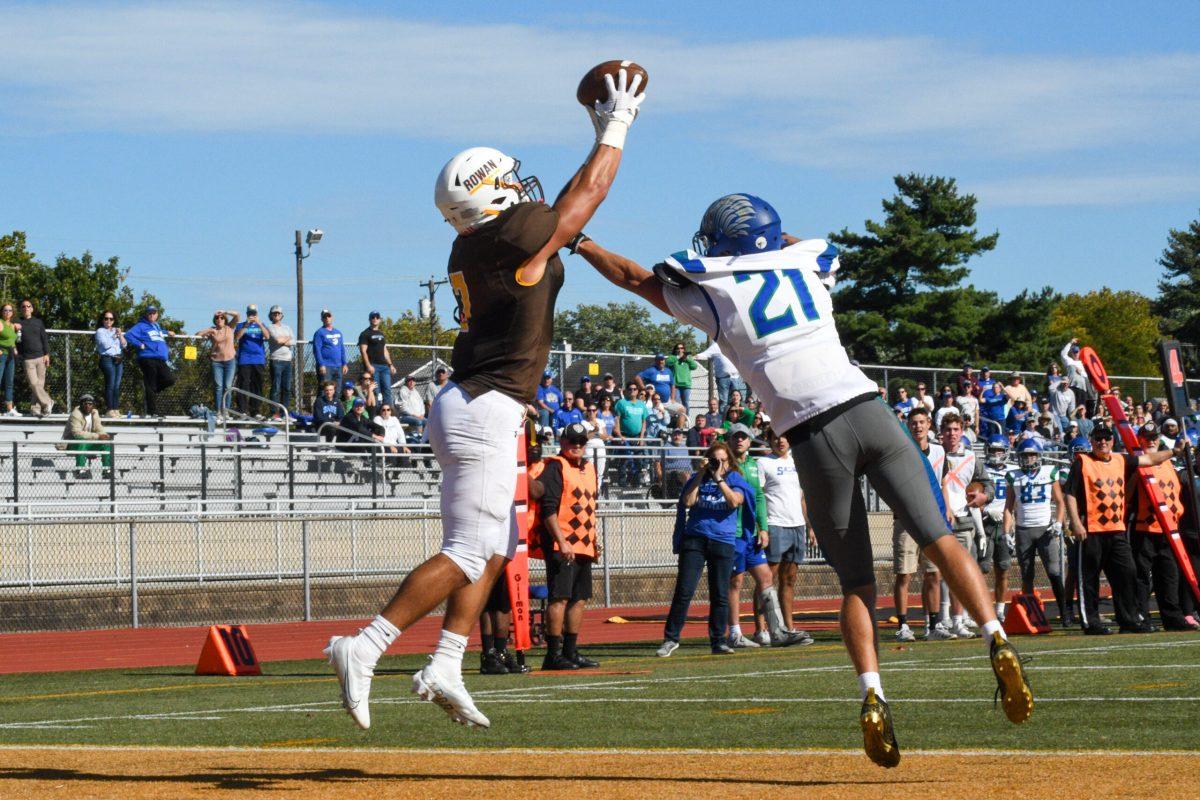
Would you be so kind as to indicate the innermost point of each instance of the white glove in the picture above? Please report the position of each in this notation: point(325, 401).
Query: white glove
point(1056, 529)
point(1011, 540)
point(613, 117)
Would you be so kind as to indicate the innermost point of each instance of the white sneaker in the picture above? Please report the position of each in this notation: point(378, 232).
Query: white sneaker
point(354, 677)
point(905, 634)
point(939, 633)
point(667, 648)
point(970, 623)
point(450, 695)
point(789, 638)
point(12, 412)
point(762, 638)
point(962, 631)
point(741, 641)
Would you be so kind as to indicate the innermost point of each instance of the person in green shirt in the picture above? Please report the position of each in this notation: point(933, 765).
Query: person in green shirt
point(8, 357)
point(752, 557)
point(632, 415)
point(681, 365)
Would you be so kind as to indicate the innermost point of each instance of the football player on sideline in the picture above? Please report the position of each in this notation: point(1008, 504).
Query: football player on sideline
point(505, 272)
point(764, 297)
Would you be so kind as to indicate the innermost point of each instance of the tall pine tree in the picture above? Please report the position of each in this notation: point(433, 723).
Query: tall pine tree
point(1178, 301)
point(901, 299)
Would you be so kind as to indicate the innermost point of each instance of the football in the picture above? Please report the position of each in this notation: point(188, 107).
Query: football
point(592, 88)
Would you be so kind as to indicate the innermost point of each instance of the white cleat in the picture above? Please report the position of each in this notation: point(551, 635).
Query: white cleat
point(905, 634)
point(741, 641)
point(961, 630)
point(667, 648)
point(354, 678)
point(763, 639)
point(939, 633)
point(450, 695)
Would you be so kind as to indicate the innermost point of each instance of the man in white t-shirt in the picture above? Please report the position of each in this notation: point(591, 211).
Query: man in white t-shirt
point(968, 408)
point(786, 523)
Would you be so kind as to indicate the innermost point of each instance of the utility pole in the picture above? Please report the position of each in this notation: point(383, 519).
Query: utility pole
point(310, 239)
point(428, 310)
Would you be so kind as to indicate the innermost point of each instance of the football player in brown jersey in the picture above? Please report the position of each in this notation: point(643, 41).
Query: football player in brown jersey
point(505, 272)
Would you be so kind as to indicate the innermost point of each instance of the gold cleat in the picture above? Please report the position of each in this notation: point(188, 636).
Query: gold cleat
point(1013, 688)
point(878, 738)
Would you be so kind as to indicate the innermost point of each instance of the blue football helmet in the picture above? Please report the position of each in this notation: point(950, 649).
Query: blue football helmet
point(1079, 444)
point(738, 224)
point(997, 450)
point(1029, 456)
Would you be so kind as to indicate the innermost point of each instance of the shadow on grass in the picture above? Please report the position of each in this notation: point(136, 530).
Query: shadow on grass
point(239, 779)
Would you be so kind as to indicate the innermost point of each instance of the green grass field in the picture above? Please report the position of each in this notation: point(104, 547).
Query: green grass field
point(1112, 693)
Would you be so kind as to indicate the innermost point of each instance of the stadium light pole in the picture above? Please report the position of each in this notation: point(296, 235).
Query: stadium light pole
point(427, 309)
point(311, 238)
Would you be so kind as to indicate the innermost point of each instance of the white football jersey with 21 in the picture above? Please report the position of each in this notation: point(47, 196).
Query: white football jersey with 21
point(772, 315)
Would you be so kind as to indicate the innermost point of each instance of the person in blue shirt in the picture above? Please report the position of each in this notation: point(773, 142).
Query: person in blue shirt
point(904, 404)
point(549, 400)
point(993, 406)
point(1015, 421)
point(251, 340)
point(708, 522)
point(985, 379)
point(659, 376)
point(568, 413)
point(329, 350)
point(150, 341)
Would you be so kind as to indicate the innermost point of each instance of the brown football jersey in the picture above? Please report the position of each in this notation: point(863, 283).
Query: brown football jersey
point(505, 327)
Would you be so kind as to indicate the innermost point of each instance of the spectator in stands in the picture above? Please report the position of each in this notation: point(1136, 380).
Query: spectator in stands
point(1062, 402)
point(549, 400)
point(1077, 377)
point(1162, 412)
point(923, 397)
point(677, 464)
point(1047, 428)
point(327, 408)
point(412, 405)
point(707, 525)
point(359, 422)
point(966, 382)
point(993, 405)
point(727, 375)
point(658, 376)
point(947, 407)
point(714, 409)
point(567, 414)
point(440, 377)
point(570, 546)
point(329, 352)
point(968, 406)
point(608, 388)
point(1015, 421)
point(394, 440)
point(85, 434)
point(599, 432)
point(585, 391)
point(34, 348)
point(904, 403)
point(681, 365)
point(368, 390)
point(251, 338)
point(745, 415)
point(280, 343)
point(1084, 422)
point(606, 415)
point(632, 415)
point(151, 342)
point(787, 525)
point(660, 415)
point(349, 392)
point(8, 357)
point(701, 435)
point(223, 355)
point(1016, 390)
point(1054, 378)
point(376, 360)
point(985, 380)
point(1170, 434)
point(110, 346)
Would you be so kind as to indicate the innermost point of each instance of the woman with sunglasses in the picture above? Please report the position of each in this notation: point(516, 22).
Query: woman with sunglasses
point(110, 344)
point(8, 357)
point(599, 432)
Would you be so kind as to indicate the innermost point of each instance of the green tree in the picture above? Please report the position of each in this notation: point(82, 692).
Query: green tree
point(1120, 326)
point(408, 328)
point(1016, 332)
point(1178, 301)
point(618, 327)
point(901, 296)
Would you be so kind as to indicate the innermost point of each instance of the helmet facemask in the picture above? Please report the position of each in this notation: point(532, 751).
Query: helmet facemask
point(996, 456)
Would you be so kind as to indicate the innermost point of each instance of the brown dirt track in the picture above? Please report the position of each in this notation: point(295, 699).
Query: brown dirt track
point(133, 774)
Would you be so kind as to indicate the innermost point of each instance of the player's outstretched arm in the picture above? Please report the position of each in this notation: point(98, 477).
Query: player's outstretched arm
point(627, 274)
point(589, 186)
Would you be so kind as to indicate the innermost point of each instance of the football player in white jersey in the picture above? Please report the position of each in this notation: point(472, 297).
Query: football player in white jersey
point(1028, 509)
point(998, 549)
point(769, 307)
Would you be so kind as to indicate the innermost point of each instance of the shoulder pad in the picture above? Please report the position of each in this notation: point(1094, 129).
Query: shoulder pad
point(670, 275)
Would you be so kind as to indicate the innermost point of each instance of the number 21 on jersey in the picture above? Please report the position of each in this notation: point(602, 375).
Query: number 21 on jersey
point(771, 284)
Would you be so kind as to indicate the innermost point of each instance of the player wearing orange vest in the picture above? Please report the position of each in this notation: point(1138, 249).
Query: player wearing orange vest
point(1151, 551)
point(569, 545)
point(1096, 494)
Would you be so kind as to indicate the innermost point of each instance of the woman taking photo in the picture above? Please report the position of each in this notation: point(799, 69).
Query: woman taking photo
point(706, 526)
point(224, 355)
point(110, 344)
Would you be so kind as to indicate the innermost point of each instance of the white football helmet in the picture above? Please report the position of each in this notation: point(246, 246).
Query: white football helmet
point(477, 184)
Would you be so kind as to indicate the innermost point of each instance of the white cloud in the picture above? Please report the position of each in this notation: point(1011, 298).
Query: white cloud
point(852, 102)
point(1092, 190)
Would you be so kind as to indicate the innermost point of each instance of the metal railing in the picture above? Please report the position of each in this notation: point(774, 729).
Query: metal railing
point(287, 417)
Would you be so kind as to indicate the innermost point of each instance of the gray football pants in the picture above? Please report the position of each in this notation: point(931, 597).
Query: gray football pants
point(865, 439)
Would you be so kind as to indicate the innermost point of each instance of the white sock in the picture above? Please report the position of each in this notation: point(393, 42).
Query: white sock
point(735, 631)
point(870, 680)
point(1000, 608)
point(993, 627)
point(372, 640)
point(448, 656)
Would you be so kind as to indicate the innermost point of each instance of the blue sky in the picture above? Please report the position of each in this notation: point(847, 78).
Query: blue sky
point(191, 139)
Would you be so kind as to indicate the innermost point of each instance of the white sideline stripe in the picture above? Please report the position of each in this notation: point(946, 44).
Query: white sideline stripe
point(602, 751)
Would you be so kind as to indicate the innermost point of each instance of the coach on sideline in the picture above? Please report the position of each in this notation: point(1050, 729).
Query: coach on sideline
point(1096, 506)
point(568, 514)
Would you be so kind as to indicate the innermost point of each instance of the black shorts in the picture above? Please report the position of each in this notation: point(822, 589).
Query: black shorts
point(498, 600)
point(568, 580)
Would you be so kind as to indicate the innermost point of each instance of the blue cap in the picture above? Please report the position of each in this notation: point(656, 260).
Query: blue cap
point(547, 374)
point(151, 309)
point(358, 401)
point(348, 385)
point(657, 356)
point(374, 314)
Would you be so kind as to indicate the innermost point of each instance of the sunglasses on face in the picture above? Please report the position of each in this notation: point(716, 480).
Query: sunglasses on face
point(108, 319)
